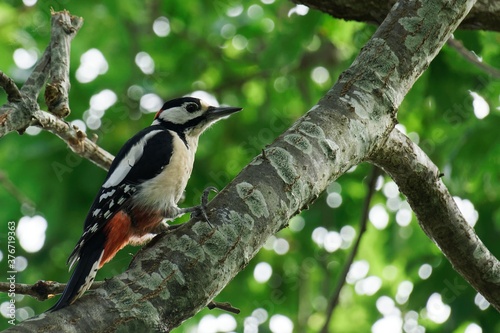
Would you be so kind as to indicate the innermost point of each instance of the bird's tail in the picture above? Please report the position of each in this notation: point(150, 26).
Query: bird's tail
point(92, 251)
point(81, 279)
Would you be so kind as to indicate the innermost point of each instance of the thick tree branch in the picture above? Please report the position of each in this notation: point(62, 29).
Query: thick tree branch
point(419, 179)
point(485, 15)
point(180, 272)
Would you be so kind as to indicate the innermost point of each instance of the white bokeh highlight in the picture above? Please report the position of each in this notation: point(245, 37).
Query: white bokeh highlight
point(481, 302)
point(150, 103)
point(320, 75)
point(299, 10)
point(379, 217)
point(425, 271)
point(358, 270)
point(30, 232)
point(467, 209)
point(25, 59)
point(473, 328)
point(481, 107)
point(92, 64)
point(161, 26)
point(404, 290)
point(262, 272)
point(436, 310)
point(145, 62)
point(280, 324)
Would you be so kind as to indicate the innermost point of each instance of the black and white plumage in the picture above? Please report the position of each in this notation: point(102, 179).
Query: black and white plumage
point(143, 186)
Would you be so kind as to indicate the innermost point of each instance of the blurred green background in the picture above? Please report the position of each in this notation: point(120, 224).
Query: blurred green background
point(276, 60)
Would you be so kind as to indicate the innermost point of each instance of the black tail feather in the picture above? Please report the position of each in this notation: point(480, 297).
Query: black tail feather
point(81, 279)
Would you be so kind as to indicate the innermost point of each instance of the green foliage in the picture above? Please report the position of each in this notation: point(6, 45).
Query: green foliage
point(257, 56)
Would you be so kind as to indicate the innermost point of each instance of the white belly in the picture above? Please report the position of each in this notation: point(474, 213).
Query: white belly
point(165, 190)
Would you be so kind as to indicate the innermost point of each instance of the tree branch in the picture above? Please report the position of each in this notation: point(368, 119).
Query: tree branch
point(223, 306)
point(41, 290)
point(473, 58)
point(76, 139)
point(17, 115)
point(485, 15)
point(31, 88)
point(64, 29)
point(180, 272)
point(13, 94)
point(372, 182)
point(23, 110)
point(419, 179)
point(15, 192)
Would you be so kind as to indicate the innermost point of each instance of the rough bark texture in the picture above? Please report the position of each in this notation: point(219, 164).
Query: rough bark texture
point(76, 139)
point(485, 15)
point(56, 92)
point(178, 273)
point(22, 109)
point(420, 180)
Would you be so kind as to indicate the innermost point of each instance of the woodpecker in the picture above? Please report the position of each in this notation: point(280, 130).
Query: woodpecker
point(144, 184)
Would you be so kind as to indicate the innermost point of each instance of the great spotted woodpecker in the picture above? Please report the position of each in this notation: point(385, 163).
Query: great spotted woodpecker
point(143, 186)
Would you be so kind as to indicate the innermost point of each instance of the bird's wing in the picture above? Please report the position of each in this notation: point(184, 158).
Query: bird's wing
point(140, 159)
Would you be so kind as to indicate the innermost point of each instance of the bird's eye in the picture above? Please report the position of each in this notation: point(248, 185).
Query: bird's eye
point(191, 107)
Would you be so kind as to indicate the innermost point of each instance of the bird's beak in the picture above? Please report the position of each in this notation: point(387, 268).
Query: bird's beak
point(214, 112)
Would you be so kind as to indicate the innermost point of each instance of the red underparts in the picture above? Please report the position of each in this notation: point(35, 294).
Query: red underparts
point(120, 229)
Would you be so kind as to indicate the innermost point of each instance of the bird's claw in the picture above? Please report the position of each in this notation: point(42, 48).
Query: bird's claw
point(204, 202)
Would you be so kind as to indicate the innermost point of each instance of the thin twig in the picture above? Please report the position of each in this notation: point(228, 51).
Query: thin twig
point(15, 192)
point(372, 181)
point(76, 139)
point(223, 306)
point(13, 94)
point(41, 290)
point(473, 58)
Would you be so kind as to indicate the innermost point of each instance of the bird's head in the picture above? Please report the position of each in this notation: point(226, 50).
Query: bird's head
point(190, 115)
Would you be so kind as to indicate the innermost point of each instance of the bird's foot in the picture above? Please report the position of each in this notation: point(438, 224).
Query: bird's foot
point(200, 212)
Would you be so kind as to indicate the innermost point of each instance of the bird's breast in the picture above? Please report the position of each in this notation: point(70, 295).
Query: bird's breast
point(165, 189)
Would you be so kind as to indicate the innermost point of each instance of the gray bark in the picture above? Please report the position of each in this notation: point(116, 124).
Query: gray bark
point(420, 180)
point(485, 15)
point(23, 110)
point(180, 272)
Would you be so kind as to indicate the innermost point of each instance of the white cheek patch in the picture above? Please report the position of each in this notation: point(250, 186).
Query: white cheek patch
point(179, 116)
point(133, 155)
